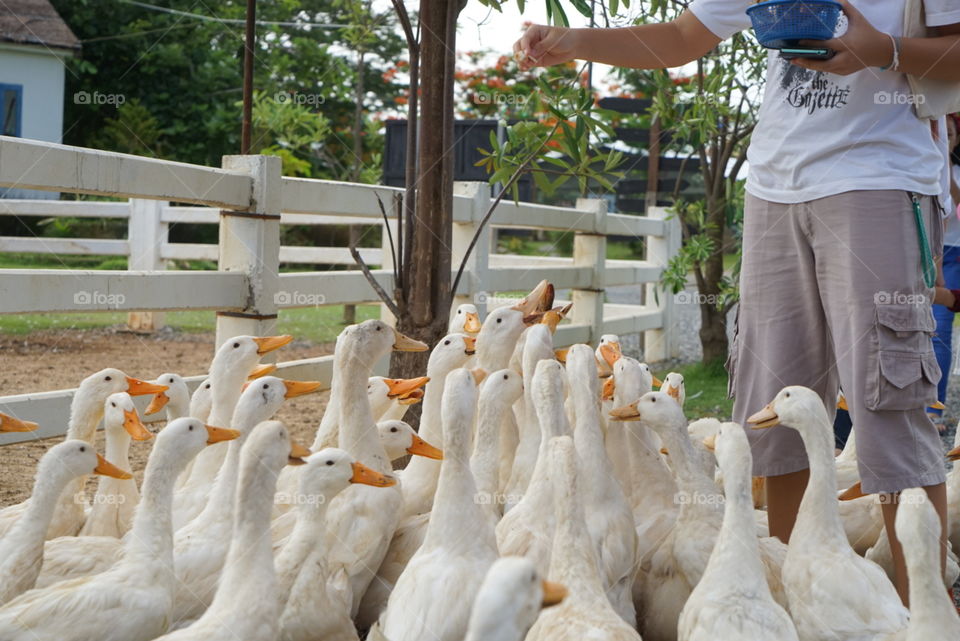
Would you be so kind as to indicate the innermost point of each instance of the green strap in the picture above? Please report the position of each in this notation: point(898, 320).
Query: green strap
point(926, 258)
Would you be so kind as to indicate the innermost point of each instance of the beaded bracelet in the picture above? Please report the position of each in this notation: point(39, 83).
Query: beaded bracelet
point(895, 63)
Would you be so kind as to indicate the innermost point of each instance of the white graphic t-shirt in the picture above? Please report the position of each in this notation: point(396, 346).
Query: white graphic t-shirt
point(822, 134)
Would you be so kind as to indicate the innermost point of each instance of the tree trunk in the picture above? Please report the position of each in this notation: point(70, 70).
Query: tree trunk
point(425, 297)
point(713, 322)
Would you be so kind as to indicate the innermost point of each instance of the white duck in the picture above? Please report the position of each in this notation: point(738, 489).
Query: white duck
point(630, 380)
point(390, 398)
point(499, 391)
point(586, 612)
point(609, 517)
point(13, 424)
point(832, 592)
point(933, 616)
point(231, 365)
point(673, 386)
point(86, 410)
point(503, 326)
point(538, 346)
point(361, 520)
point(420, 476)
point(673, 569)
point(459, 546)
point(399, 440)
point(116, 499)
point(132, 600)
point(245, 606)
point(953, 495)
point(198, 546)
point(527, 529)
point(742, 609)
point(465, 319)
point(21, 549)
point(175, 399)
point(608, 352)
point(509, 600)
point(311, 610)
point(201, 401)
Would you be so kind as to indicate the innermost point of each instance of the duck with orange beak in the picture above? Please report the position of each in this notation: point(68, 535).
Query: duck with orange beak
point(21, 550)
point(117, 499)
point(465, 319)
point(86, 411)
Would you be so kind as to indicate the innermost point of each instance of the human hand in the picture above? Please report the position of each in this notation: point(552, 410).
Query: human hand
point(544, 46)
point(860, 47)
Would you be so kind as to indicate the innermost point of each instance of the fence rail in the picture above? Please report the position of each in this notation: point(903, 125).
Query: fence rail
point(249, 200)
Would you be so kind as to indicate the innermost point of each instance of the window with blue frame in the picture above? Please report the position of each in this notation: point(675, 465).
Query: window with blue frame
point(11, 100)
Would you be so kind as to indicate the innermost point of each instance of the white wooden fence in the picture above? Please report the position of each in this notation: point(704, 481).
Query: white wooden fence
point(249, 200)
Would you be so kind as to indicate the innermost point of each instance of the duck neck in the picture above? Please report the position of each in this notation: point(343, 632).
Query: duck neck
point(929, 600)
point(308, 539)
point(572, 560)
point(819, 516)
point(358, 434)
point(47, 489)
point(588, 437)
point(485, 461)
point(85, 415)
point(219, 506)
point(248, 573)
point(150, 544)
point(327, 433)
point(118, 453)
point(690, 478)
point(730, 557)
point(431, 427)
point(651, 476)
point(456, 519)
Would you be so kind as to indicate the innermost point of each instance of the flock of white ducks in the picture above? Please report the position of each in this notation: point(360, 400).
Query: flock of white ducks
point(530, 463)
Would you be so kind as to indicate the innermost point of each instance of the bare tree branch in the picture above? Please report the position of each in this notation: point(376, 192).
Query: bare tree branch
point(384, 297)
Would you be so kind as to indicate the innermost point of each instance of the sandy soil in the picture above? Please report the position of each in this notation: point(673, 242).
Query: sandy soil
point(51, 360)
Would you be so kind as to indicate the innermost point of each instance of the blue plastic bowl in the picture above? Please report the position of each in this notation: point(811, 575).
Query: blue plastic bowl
point(780, 23)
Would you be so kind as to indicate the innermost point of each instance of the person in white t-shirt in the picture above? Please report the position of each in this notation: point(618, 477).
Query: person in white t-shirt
point(839, 234)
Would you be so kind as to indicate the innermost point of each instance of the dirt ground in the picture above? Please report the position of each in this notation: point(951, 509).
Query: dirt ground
point(60, 359)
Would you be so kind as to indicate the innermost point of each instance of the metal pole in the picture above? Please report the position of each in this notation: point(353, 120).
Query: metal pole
point(251, 35)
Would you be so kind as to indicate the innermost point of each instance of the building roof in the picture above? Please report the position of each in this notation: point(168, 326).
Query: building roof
point(35, 22)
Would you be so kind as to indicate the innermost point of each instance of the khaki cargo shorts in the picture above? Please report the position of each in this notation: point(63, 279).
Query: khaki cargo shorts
point(832, 294)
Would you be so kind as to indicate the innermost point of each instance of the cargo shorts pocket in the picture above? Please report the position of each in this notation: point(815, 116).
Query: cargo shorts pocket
point(903, 372)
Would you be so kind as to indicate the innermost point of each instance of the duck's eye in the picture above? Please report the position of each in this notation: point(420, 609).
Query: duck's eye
point(446, 342)
point(533, 578)
point(112, 404)
point(207, 386)
point(653, 400)
point(393, 429)
point(266, 386)
point(329, 462)
point(506, 376)
point(190, 428)
point(379, 328)
point(459, 311)
point(83, 448)
point(787, 394)
point(236, 345)
point(108, 378)
point(499, 320)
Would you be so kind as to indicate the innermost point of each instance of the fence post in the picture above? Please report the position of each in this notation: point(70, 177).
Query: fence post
point(474, 277)
point(146, 234)
point(250, 243)
point(590, 250)
point(661, 343)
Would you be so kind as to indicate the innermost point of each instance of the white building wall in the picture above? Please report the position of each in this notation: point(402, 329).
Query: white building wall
point(41, 73)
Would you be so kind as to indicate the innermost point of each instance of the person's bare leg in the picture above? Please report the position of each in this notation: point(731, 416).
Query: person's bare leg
point(938, 498)
point(784, 494)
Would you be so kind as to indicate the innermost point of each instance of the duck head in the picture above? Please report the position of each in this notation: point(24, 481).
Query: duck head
point(120, 415)
point(793, 406)
point(399, 440)
point(177, 393)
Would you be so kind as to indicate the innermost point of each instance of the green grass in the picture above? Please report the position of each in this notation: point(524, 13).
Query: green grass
point(711, 382)
point(316, 324)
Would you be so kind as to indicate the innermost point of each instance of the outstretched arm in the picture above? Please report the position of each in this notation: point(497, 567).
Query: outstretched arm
point(649, 46)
